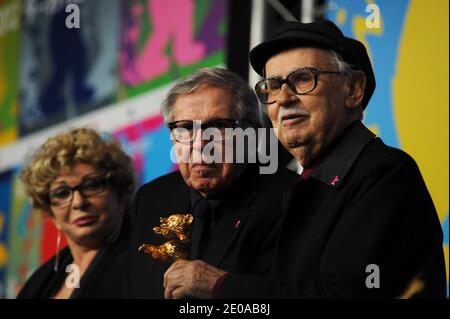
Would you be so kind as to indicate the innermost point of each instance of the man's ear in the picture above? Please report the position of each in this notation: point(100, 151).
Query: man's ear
point(356, 90)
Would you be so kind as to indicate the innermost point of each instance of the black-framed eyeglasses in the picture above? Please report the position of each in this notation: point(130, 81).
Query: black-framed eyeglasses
point(218, 130)
point(300, 81)
point(62, 195)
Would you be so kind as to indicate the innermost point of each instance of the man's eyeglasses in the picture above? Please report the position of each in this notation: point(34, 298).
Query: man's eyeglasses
point(301, 81)
point(62, 196)
point(219, 130)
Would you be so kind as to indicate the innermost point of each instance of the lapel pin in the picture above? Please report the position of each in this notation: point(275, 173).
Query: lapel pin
point(335, 181)
point(237, 224)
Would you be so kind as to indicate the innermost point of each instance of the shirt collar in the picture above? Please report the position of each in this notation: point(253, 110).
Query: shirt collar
point(196, 196)
point(213, 204)
point(243, 185)
point(334, 165)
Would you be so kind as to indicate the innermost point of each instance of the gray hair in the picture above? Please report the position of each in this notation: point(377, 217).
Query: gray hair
point(246, 103)
point(348, 71)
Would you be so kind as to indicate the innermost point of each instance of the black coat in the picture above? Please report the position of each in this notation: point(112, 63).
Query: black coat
point(365, 204)
point(103, 279)
point(258, 200)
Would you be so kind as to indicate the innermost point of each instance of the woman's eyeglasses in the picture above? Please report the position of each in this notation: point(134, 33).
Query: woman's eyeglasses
point(62, 196)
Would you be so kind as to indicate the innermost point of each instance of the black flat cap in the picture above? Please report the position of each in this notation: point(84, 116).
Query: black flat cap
point(321, 34)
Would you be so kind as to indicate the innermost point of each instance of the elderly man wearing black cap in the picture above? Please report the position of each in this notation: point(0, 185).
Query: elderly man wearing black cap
point(361, 223)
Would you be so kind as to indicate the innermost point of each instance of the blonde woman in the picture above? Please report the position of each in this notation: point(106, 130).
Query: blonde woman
point(84, 183)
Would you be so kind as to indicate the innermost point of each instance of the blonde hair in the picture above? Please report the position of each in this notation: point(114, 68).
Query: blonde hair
point(63, 151)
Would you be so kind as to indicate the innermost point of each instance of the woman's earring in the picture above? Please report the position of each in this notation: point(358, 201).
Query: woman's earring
point(58, 243)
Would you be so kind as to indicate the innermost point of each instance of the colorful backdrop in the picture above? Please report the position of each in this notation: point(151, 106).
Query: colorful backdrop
point(113, 72)
point(110, 74)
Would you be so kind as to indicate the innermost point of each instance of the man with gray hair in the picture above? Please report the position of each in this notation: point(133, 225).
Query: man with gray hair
point(236, 209)
point(361, 223)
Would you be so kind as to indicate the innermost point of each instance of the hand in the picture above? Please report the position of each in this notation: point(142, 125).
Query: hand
point(190, 278)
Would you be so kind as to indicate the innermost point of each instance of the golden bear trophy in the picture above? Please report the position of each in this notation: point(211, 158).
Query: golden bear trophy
point(177, 228)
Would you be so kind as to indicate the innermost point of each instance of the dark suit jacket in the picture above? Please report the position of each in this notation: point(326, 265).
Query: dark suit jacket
point(259, 201)
point(104, 277)
point(365, 204)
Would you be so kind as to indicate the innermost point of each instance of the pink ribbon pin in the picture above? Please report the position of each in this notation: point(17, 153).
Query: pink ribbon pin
point(335, 180)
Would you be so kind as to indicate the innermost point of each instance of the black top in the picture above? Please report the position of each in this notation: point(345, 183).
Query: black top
point(220, 223)
point(243, 233)
point(364, 206)
point(104, 278)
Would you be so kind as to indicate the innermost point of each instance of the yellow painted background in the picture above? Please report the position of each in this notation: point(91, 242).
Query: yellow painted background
point(421, 96)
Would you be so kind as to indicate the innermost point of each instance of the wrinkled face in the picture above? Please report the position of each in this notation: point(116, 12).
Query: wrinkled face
point(308, 123)
point(205, 104)
point(85, 220)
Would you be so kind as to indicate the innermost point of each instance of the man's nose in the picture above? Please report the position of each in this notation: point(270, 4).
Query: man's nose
point(286, 95)
point(198, 143)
